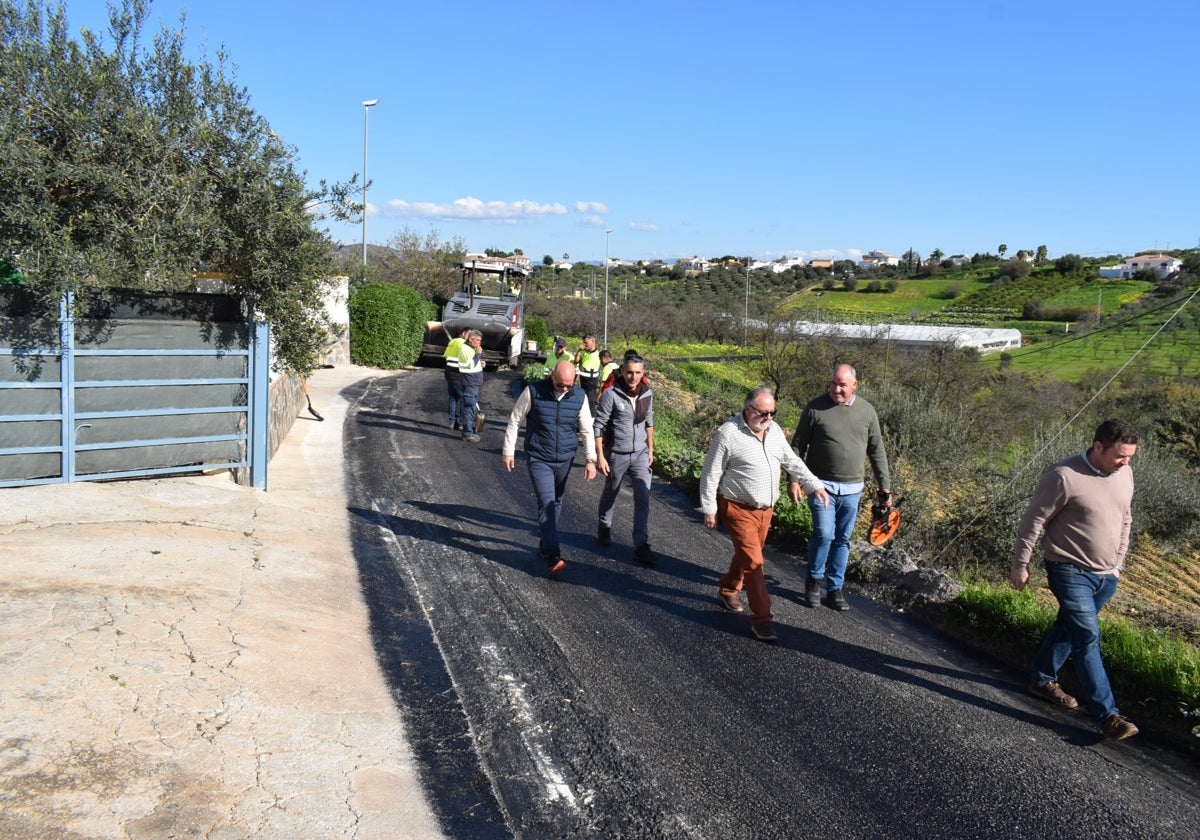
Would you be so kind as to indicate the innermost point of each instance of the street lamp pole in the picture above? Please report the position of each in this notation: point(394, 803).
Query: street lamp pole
point(607, 233)
point(366, 110)
point(746, 316)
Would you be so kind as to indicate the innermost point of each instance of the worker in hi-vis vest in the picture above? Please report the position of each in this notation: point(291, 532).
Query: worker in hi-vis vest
point(454, 378)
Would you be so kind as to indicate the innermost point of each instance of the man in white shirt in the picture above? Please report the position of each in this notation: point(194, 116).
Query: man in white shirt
point(740, 485)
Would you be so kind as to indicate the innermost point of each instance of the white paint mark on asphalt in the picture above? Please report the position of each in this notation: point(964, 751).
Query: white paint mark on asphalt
point(533, 734)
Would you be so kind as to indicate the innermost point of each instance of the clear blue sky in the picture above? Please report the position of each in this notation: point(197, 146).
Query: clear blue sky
point(809, 129)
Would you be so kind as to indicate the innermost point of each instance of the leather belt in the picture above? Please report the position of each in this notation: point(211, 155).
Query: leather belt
point(746, 506)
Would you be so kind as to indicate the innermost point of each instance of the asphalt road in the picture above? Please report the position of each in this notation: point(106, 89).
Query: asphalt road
point(620, 702)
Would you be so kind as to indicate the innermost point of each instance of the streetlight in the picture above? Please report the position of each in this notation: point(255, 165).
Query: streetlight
point(366, 110)
point(746, 316)
point(607, 233)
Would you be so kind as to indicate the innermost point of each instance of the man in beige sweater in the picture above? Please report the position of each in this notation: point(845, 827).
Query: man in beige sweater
point(1083, 504)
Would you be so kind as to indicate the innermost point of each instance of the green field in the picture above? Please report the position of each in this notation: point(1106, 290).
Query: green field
point(1058, 348)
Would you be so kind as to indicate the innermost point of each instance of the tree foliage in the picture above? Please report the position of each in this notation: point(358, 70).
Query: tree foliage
point(425, 264)
point(125, 165)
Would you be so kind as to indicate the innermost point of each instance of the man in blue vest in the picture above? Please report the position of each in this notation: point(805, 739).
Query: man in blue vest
point(556, 415)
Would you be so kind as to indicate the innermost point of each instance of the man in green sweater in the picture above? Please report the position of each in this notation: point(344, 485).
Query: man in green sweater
point(837, 434)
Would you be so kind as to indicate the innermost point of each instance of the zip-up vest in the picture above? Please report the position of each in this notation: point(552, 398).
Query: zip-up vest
point(451, 356)
point(551, 426)
point(589, 363)
point(470, 366)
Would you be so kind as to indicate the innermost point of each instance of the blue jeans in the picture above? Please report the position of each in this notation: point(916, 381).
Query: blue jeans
point(1076, 634)
point(637, 464)
point(470, 407)
point(549, 484)
point(829, 542)
point(455, 391)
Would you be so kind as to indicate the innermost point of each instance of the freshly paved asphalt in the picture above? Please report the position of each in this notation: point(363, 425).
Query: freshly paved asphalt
point(186, 657)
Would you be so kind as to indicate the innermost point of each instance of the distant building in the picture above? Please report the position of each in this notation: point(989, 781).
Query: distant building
point(874, 259)
point(826, 264)
point(959, 260)
point(1164, 264)
point(694, 264)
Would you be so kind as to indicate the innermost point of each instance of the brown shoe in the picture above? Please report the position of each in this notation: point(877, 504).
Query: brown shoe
point(1117, 728)
point(1052, 692)
point(729, 602)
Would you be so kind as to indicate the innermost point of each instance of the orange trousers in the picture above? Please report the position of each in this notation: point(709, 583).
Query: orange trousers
point(747, 529)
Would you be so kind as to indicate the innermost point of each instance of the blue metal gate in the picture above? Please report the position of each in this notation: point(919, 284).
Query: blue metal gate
point(141, 386)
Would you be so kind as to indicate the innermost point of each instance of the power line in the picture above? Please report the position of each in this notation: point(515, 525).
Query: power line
point(1074, 417)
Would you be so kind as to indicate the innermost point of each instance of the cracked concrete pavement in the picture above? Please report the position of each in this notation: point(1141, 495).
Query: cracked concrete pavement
point(186, 657)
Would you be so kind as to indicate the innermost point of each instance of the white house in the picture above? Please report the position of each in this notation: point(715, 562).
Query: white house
point(694, 264)
point(878, 258)
point(1164, 264)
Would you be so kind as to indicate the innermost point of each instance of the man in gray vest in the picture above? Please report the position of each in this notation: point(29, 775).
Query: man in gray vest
point(556, 415)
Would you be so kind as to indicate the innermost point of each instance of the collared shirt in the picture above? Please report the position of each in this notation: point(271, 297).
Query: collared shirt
point(746, 470)
point(521, 409)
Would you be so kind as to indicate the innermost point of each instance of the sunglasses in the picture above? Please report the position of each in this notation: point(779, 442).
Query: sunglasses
point(762, 413)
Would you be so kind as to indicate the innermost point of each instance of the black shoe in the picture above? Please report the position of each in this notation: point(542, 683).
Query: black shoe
point(764, 632)
point(456, 426)
point(644, 555)
point(604, 535)
point(836, 601)
point(812, 592)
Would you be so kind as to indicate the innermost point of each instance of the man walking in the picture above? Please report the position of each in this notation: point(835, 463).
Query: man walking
point(837, 433)
point(587, 365)
point(470, 368)
point(740, 485)
point(624, 428)
point(454, 387)
point(556, 415)
point(1084, 506)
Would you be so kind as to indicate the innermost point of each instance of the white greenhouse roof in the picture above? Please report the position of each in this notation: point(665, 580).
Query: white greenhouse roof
point(983, 339)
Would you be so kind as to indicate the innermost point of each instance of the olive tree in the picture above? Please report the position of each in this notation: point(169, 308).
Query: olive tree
point(125, 165)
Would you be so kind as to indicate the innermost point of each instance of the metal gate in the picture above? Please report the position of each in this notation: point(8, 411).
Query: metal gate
point(143, 385)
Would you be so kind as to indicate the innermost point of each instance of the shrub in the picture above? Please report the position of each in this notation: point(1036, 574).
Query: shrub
point(387, 325)
point(1069, 264)
point(850, 283)
point(535, 330)
point(534, 373)
point(1015, 269)
point(892, 284)
point(874, 286)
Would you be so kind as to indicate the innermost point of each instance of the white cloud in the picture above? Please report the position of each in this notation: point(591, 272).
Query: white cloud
point(591, 221)
point(471, 209)
point(815, 254)
point(643, 225)
point(591, 207)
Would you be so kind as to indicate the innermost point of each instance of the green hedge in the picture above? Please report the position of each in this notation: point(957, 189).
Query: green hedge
point(387, 325)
